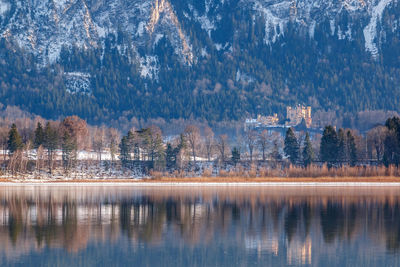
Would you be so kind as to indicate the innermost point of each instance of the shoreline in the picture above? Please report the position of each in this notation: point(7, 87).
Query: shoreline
point(215, 182)
point(267, 184)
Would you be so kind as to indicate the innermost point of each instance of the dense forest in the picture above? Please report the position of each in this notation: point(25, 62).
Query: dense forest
point(247, 78)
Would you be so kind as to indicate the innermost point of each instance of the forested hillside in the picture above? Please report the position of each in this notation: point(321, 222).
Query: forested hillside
point(241, 64)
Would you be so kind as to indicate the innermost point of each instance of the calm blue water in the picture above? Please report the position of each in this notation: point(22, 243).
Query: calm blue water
point(120, 226)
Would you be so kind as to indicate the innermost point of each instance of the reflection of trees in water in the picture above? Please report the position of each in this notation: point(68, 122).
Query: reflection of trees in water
point(71, 224)
point(332, 221)
point(392, 226)
point(143, 219)
point(291, 222)
point(338, 221)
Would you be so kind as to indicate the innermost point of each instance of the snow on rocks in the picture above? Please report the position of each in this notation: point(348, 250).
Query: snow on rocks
point(370, 31)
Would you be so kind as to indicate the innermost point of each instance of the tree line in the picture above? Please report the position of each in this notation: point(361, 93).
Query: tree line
point(52, 142)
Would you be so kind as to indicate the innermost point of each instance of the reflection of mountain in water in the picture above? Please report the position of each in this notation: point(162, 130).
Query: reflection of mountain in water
point(297, 227)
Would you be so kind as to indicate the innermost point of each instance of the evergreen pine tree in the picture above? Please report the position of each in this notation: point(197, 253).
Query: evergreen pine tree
point(235, 155)
point(308, 151)
point(39, 135)
point(170, 157)
point(51, 143)
point(329, 146)
point(342, 148)
point(124, 150)
point(14, 140)
point(392, 142)
point(69, 149)
point(291, 146)
point(351, 144)
point(132, 146)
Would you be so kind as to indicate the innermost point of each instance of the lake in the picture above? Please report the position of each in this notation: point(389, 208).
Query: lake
point(91, 225)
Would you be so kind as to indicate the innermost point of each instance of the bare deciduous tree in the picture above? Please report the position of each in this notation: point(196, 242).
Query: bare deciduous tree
point(3, 140)
point(251, 141)
point(39, 159)
point(113, 138)
point(192, 135)
point(99, 141)
point(209, 141)
point(51, 143)
point(376, 141)
point(77, 129)
point(223, 147)
point(263, 143)
point(14, 164)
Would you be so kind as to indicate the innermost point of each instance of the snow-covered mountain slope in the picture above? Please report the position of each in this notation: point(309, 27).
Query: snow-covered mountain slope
point(45, 26)
point(309, 13)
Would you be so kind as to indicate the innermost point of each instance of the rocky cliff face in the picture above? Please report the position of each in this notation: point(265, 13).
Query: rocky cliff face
point(44, 26)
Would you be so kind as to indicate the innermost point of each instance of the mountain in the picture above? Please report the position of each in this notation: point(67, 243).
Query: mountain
point(217, 60)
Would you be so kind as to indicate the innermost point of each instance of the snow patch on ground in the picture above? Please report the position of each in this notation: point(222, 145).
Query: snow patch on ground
point(78, 83)
point(344, 35)
point(157, 39)
point(332, 25)
point(206, 24)
point(311, 31)
point(84, 170)
point(370, 31)
point(204, 20)
point(149, 67)
point(141, 28)
point(241, 76)
point(204, 52)
point(274, 25)
point(60, 4)
point(4, 7)
point(220, 47)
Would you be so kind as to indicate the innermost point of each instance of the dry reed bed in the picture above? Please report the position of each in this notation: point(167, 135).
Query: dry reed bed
point(274, 180)
point(312, 172)
point(379, 179)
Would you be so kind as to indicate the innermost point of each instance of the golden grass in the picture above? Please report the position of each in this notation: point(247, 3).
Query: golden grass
point(272, 179)
point(253, 174)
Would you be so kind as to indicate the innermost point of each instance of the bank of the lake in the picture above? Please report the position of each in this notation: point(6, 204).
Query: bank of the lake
point(217, 181)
